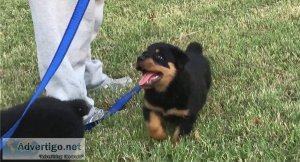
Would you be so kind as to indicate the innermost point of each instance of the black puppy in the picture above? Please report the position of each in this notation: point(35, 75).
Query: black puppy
point(47, 118)
point(176, 85)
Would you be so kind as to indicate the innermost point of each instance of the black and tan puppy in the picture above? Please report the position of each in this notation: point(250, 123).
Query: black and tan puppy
point(176, 85)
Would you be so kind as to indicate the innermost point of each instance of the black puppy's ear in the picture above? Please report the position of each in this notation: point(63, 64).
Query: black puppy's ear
point(80, 106)
point(180, 58)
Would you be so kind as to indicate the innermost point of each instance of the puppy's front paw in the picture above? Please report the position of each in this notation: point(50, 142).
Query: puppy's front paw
point(157, 133)
point(155, 128)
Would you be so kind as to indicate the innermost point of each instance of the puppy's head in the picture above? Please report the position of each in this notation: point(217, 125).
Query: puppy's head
point(159, 65)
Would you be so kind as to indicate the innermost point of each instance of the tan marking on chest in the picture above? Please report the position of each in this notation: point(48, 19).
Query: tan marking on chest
point(153, 108)
point(177, 112)
point(173, 111)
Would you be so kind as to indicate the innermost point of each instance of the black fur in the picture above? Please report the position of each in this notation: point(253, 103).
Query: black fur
point(47, 118)
point(188, 89)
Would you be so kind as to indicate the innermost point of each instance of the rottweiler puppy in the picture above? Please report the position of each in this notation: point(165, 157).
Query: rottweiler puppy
point(176, 84)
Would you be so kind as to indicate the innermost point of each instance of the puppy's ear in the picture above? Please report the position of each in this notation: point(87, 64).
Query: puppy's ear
point(79, 106)
point(180, 58)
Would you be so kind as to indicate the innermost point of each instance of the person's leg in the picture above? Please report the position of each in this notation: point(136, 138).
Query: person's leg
point(50, 19)
point(77, 71)
point(94, 76)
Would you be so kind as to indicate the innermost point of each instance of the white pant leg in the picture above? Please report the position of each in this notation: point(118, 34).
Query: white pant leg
point(50, 19)
point(94, 75)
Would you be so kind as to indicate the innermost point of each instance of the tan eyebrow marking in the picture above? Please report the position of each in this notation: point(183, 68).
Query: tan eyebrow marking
point(157, 50)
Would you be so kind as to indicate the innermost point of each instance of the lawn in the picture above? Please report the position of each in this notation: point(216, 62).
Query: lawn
point(253, 110)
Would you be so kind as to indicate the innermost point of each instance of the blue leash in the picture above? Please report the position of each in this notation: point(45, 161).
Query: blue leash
point(116, 107)
point(59, 55)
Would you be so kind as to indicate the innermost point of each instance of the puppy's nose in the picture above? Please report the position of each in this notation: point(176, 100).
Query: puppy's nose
point(139, 62)
point(139, 65)
point(141, 58)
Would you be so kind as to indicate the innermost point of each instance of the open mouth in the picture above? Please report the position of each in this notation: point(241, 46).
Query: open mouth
point(149, 78)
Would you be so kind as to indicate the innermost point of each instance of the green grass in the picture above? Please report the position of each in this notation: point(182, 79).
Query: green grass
point(253, 110)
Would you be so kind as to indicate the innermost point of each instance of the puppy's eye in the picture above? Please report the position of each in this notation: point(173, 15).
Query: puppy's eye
point(158, 58)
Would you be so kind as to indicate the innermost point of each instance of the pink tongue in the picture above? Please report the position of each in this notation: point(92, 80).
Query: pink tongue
point(147, 77)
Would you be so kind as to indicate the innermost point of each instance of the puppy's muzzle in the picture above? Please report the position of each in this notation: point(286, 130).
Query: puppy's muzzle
point(140, 63)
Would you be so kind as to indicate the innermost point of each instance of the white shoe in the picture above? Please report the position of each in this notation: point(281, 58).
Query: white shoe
point(112, 83)
point(115, 83)
point(93, 115)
